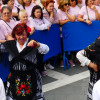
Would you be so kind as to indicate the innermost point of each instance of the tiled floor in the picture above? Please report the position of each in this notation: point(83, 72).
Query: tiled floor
point(71, 84)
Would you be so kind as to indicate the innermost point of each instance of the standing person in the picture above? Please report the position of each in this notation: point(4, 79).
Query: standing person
point(2, 91)
point(89, 12)
point(96, 91)
point(39, 22)
point(15, 8)
point(23, 16)
point(24, 81)
point(91, 57)
point(7, 22)
point(74, 9)
point(50, 13)
point(28, 5)
point(63, 13)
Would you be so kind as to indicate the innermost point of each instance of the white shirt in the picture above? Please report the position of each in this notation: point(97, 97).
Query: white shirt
point(40, 24)
point(2, 91)
point(82, 58)
point(96, 91)
point(43, 49)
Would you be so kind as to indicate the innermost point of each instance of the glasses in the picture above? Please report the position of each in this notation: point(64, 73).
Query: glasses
point(73, 0)
point(7, 13)
point(67, 4)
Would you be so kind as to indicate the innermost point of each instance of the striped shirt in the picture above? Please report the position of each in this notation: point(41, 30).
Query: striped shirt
point(53, 20)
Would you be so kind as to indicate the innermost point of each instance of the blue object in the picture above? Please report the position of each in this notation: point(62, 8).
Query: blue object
point(51, 38)
point(78, 35)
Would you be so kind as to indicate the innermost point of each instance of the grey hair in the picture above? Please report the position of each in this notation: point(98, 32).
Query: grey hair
point(6, 7)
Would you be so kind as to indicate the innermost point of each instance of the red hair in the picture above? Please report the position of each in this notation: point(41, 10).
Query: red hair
point(49, 1)
point(20, 28)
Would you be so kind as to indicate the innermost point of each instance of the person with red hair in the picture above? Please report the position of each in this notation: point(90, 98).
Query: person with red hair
point(25, 56)
point(50, 13)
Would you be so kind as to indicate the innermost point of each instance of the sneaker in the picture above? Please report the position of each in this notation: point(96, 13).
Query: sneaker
point(44, 73)
point(49, 66)
point(61, 63)
point(71, 63)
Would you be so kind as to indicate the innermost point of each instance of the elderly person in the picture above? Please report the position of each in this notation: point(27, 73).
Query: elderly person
point(23, 16)
point(28, 5)
point(50, 13)
point(24, 80)
point(6, 21)
point(63, 13)
point(15, 8)
point(89, 12)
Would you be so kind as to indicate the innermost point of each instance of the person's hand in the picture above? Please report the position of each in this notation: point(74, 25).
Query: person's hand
point(67, 8)
point(93, 7)
point(33, 43)
point(93, 66)
point(88, 22)
point(32, 30)
point(48, 28)
point(51, 14)
point(9, 37)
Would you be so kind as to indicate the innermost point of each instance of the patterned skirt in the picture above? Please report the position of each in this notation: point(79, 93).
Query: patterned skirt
point(24, 86)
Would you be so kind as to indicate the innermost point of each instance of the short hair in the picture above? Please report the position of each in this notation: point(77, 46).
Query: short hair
point(21, 12)
point(49, 1)
point(62, 2)
point(33, 10)
point(5, 1)
point(19, 29)
point(6, 7)
point(86, 1)
point(43, 2)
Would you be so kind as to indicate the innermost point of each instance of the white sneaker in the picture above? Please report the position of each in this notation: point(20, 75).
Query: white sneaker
point(49, 66)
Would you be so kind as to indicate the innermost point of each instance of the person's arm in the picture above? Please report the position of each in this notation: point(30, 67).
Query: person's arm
point(96, 12)
point(2, 91)
point(14, 14)
point(42, 48)
point(85, 61)
point(71, 18)
point(80, 18)
point(49, 18)
point(32, 30)
point(40, 27)
point(62, 22)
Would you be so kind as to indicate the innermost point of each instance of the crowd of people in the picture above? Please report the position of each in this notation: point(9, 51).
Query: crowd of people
point(18, 20)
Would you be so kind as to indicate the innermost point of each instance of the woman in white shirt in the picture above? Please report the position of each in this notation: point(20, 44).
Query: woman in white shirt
point(40, 23)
